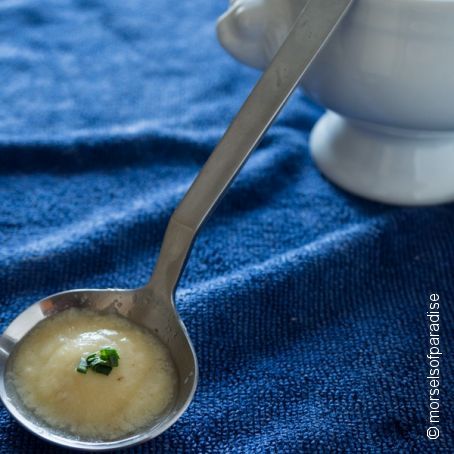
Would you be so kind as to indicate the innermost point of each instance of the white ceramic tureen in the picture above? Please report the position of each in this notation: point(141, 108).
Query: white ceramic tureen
point(387, 79)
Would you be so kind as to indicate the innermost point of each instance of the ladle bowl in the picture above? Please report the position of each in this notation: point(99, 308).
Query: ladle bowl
point(141, 306)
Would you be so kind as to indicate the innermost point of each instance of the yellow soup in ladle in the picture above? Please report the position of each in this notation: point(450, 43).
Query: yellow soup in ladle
point(93, 405)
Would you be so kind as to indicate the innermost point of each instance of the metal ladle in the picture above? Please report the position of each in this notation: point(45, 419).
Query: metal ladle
point(153, 305)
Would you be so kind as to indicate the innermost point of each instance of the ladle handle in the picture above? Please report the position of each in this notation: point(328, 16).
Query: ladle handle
point(311, 30)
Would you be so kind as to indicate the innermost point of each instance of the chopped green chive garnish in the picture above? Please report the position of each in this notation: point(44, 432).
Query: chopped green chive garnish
point(108, 352)
point(102, 368)
point(91, 358)
point(110, 355)
point(113, 361)
point(82, 367)
point(101, 362)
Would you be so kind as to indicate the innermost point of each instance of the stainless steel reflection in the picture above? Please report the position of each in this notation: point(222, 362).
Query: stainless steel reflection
point(153, 305)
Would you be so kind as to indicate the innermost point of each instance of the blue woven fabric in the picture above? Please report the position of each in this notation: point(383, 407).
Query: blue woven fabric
point(306, 305)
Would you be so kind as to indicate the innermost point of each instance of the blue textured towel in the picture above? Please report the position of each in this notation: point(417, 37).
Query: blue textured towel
point(306, 305)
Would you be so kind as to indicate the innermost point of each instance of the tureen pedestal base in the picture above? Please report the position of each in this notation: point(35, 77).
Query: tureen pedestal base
point(392, 165)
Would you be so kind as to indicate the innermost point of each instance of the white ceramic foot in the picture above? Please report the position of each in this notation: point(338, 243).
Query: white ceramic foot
point(385, 164)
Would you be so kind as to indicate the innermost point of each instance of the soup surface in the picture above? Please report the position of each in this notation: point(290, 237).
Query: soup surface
point(93, 405)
